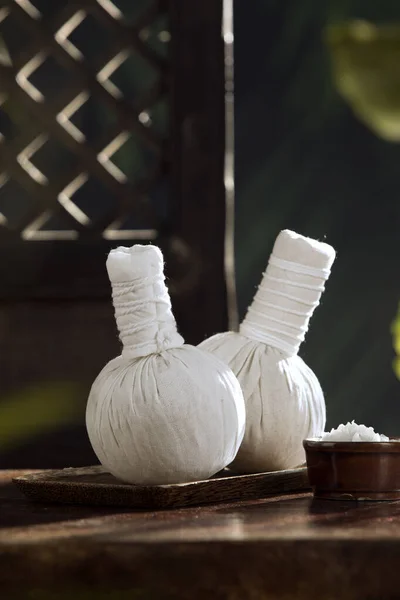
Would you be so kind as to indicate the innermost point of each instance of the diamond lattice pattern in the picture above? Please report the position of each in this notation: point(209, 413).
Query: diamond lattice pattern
point(83, 118)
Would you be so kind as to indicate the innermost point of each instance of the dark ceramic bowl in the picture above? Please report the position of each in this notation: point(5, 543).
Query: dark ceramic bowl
point(354, 470)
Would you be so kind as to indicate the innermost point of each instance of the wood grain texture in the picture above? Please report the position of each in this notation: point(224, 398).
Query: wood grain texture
point(280, 548)
point(94, 486)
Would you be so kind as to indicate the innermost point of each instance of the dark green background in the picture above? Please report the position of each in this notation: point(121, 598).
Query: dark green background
point(304, 162)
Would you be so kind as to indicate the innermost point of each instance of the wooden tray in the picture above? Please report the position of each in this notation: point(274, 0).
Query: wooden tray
point(94, 486)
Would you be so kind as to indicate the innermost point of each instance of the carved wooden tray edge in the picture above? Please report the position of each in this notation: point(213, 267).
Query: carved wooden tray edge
point(94, 486)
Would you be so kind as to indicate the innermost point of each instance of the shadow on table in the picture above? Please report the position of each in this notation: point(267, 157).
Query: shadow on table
point(16, 511)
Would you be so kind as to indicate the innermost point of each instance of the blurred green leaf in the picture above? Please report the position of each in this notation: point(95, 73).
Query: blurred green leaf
point(396, 365)
point(396, 343)
point(366, 66)
point(37, 410)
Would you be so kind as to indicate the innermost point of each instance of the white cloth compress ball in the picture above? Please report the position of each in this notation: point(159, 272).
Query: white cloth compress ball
point(162, 412)
point(284, 400)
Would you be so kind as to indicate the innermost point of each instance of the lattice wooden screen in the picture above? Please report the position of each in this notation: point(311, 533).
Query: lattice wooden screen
point(83, 119)
point(112, 123)
point(112, 129)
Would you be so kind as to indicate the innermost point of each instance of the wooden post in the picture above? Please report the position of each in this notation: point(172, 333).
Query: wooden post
point(198, 160)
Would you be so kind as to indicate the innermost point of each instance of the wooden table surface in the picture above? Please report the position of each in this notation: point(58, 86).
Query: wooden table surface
point(287, 547)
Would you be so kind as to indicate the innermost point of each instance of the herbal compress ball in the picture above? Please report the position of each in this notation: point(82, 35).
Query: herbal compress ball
point(284, 400)
point(162, 412)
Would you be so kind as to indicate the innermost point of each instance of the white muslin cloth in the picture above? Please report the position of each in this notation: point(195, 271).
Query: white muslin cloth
point(162, 412)
point(284, 400)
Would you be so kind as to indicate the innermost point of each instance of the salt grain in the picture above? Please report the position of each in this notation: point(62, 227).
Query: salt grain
point(352, 432)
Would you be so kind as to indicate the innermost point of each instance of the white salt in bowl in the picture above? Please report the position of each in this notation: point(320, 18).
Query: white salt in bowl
point(354, 470)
